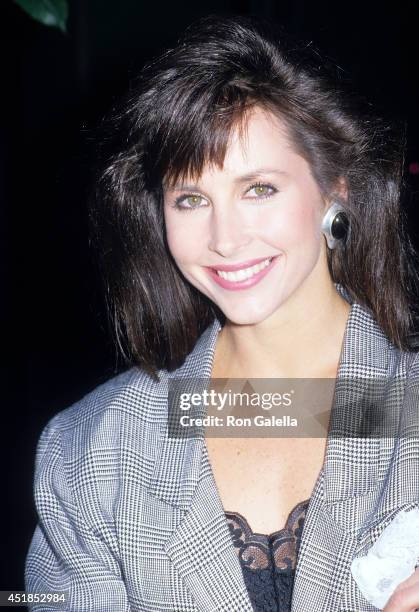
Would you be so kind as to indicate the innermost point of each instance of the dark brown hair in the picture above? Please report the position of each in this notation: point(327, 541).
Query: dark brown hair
point(178, 117)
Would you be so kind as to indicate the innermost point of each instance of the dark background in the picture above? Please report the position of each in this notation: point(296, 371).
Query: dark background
point(55, 88)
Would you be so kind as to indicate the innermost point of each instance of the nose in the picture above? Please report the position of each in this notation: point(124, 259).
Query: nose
point(229, 233)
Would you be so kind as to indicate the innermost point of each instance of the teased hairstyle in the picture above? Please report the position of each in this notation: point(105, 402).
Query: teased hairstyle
point(178, 117)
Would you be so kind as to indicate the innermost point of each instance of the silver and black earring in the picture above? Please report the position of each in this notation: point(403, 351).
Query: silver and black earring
point(335, 225)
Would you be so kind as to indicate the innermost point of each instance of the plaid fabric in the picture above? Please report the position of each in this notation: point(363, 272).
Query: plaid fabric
point(131, 520)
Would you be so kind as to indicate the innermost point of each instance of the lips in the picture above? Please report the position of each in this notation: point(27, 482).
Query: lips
point(244, 275)
point(240, 266)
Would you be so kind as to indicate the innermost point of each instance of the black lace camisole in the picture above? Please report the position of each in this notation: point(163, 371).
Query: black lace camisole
point(268, 561)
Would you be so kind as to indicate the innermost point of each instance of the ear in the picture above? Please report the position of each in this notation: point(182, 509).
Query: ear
point(341, 189)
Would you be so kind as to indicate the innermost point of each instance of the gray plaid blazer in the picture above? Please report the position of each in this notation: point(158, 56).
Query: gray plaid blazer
point(130, 519)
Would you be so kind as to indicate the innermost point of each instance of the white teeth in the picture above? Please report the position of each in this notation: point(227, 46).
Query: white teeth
point(245, 273)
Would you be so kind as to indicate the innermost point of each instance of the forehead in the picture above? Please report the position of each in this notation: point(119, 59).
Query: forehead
point(262, 139)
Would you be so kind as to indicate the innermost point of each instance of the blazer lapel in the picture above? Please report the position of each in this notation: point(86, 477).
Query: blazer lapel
point(202, 551)
point(348, 489)
point(200, 546)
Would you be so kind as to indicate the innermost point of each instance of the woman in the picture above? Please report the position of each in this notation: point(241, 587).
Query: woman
point(248, 226)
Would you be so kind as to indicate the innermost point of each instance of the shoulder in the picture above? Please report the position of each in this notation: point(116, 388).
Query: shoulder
point(123, 396)
point(128, 409)
point(130, 406)
point(127, 394)
point(367, 351)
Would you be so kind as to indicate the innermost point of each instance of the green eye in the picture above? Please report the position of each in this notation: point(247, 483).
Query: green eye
point(188, 202)
point(260, 190)
point(193, 200)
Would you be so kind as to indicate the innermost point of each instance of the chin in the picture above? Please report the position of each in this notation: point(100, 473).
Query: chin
point(246, 317)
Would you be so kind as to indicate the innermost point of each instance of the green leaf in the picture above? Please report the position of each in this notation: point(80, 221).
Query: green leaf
point(52, 13)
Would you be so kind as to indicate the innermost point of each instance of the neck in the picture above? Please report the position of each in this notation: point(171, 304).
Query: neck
point(297, 341)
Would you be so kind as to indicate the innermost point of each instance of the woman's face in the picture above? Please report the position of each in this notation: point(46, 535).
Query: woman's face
point(248, 235)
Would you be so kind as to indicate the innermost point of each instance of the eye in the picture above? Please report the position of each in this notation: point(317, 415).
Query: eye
point(188, 202)
point(262, 190)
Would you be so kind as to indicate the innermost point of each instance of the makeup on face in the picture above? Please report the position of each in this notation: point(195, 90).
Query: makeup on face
point(248, 235)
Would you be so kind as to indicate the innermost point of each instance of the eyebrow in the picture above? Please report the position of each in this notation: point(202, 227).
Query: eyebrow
point(245, 178)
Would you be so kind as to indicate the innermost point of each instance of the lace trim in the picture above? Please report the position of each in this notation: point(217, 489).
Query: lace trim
point(261, 551)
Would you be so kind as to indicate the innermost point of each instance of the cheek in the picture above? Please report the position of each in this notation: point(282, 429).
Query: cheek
point(184, 244)
point(297, 226)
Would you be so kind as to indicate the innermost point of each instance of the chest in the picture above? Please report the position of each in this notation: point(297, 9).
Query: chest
point(264, 479)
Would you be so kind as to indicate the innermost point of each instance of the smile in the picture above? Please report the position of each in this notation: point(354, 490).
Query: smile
point(242, 278)
point(244, 272)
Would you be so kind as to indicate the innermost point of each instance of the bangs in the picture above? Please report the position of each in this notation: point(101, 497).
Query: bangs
point(197, 134)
